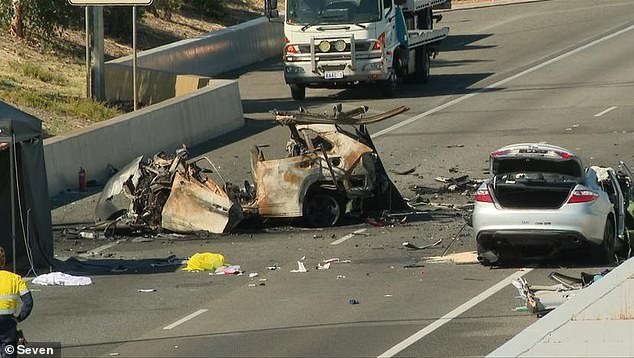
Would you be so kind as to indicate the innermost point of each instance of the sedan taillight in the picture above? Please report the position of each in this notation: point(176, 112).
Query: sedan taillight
point(482, 195)
point(582, 196)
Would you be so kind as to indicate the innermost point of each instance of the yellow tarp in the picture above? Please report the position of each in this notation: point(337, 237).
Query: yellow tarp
point(205, 261)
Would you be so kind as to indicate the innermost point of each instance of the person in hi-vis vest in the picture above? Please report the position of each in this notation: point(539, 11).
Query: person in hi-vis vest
point(12, 287)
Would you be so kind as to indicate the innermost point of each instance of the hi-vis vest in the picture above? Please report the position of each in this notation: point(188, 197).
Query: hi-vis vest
point(11, 287)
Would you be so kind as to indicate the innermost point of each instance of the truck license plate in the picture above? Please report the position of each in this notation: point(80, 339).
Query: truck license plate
point(329, 75)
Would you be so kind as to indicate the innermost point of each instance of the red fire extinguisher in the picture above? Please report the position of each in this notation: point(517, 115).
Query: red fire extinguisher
point(82, 179)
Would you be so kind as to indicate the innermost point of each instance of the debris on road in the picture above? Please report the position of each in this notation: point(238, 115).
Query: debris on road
point(253, 274)
point(414, 266)
point(409, 245)
point(403, 172)
point(300, 268)
point(273, 268)
point(144, 290)
point(458, 258)
point(61, 279)
point(353, 301)
point(205, 261)
point(543, 299)
point(325, 266)
point(228, 270)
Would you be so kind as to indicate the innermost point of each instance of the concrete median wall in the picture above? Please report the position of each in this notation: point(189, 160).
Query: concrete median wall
point(190, 119)
point(153, 86)
point(217, 52)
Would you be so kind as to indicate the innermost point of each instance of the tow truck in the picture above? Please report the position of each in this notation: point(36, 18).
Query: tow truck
point(343, 43)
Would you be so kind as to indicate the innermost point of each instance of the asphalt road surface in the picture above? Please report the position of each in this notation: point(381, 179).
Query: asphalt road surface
point(555, 71)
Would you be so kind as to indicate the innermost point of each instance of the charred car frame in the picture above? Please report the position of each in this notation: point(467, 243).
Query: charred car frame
point(329, 171)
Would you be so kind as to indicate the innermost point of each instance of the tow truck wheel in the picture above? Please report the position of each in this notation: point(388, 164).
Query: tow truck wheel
point(388, 87)
point(423, 64)
point(321, 209)
point(298, 92)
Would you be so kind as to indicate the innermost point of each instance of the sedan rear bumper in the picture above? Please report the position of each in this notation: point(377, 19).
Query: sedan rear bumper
point(560, 239)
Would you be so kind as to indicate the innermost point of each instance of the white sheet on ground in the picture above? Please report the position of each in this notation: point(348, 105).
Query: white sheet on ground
point(61, 279)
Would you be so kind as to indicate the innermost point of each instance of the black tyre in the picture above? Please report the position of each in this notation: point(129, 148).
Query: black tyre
point(607, 251)
point(388, 87)
point(423, 65)
point(486, 257)
point(322, 209)
point(298, 91)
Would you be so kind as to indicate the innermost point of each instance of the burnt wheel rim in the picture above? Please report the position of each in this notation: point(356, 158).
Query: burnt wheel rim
point(322, 210)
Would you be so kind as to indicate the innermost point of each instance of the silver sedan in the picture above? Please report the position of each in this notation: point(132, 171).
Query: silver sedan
point(540, 197)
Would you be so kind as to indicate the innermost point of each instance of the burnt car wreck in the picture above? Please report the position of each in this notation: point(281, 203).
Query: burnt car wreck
point(329, 171)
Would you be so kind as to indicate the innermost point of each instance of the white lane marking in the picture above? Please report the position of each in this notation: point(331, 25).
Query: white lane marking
point(499, 83)
point(453, 314)
point(99, 249)
point(186, 318)
point(606, 111)
point(339, 241)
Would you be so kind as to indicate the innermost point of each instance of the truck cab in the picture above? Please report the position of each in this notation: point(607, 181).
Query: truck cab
point(342, 43)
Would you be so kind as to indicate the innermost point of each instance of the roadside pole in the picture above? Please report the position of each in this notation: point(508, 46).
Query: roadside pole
point(88, 79)
point(134, 84)
point(95, 86)
point(96, 53)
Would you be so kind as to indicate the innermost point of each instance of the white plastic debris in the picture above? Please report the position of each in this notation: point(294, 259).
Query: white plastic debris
point(253, 274)
point(228, 270)
point(146, 290)
point(325, 266)
point(300, 267)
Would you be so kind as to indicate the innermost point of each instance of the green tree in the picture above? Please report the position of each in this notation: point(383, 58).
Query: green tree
point(165, 8)
point(26, 18)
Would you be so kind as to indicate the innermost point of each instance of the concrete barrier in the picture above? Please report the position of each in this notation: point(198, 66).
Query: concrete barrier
point(153, 86)
point(216, 52)
point(190, 119)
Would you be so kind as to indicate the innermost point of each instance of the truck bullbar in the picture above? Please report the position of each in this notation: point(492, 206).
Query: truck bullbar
point(349, 56)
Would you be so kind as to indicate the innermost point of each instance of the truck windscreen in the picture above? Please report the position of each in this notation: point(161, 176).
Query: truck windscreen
point(314, 12)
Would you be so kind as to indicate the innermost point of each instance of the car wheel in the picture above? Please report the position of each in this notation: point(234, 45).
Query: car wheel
point(607, 251)
point(486, 257)
point(321, 209)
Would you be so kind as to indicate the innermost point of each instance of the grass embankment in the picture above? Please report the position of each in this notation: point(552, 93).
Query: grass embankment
point(49, 86)
point(48, 80)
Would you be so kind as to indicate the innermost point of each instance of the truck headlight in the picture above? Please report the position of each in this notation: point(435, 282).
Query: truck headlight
point(373, 66)
point(293, 69)
point(324, 46)
point(340, 45)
